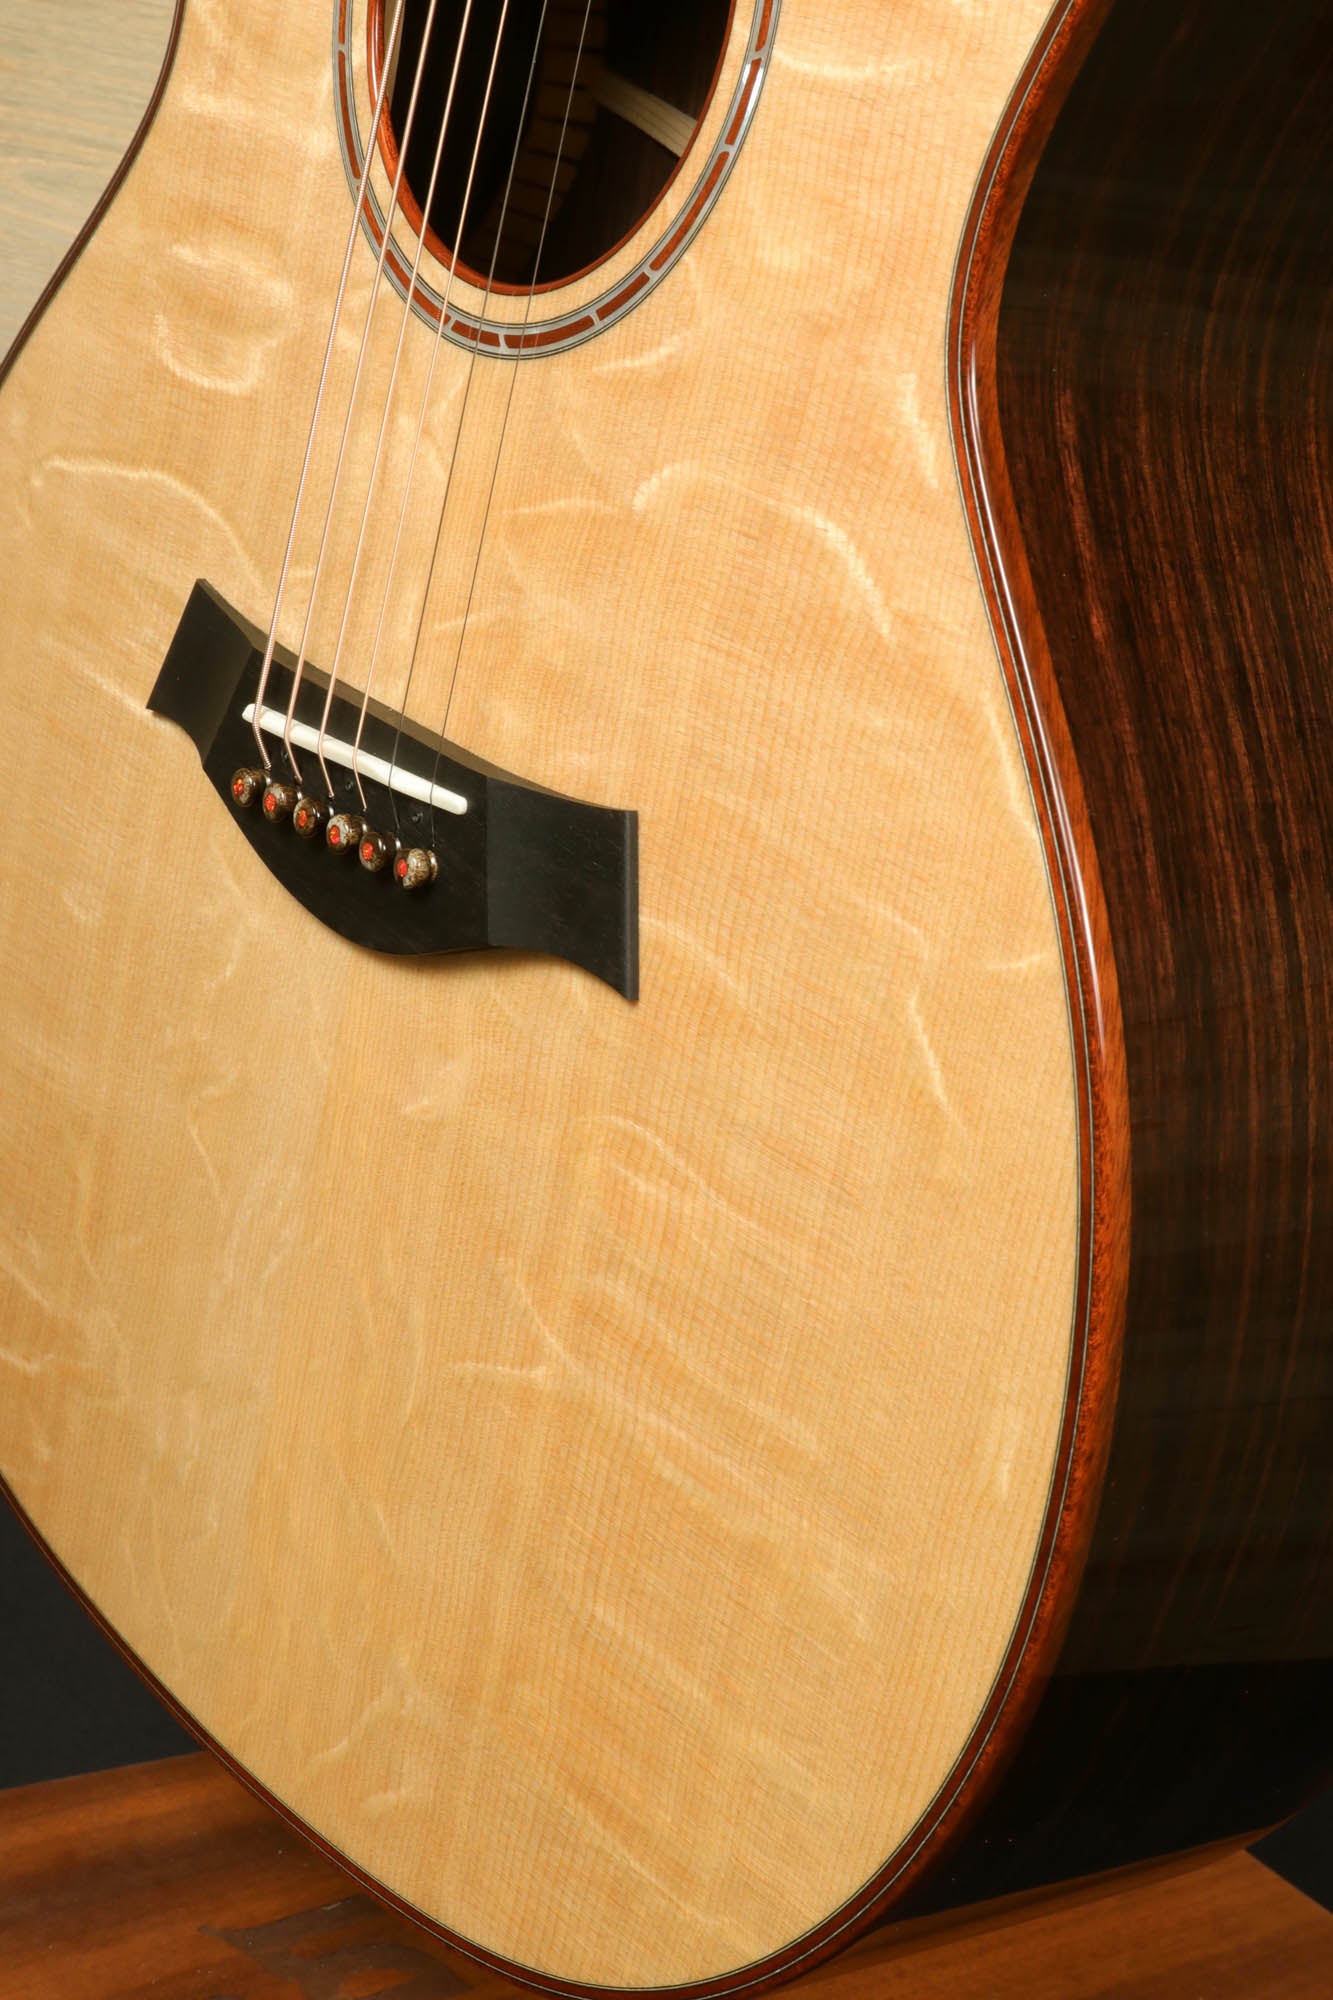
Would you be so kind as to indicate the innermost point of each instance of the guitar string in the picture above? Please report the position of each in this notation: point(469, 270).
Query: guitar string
point(390, 49)
point(404, 322)
point(436, 346)
point(385, 240)
point(509, 401)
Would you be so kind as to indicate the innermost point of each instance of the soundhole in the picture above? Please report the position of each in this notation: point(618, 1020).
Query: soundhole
point(576, 143)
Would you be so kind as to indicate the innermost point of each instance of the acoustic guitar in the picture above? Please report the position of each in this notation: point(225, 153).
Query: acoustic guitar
point(666, 1247)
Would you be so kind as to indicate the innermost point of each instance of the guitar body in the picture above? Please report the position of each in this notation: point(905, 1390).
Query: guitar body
point(619, 1472)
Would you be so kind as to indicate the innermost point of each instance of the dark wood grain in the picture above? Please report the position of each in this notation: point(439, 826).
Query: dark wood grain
point(1154, 441)
point(171, 1880)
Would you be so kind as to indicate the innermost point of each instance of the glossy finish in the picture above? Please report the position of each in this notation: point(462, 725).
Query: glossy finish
point(524, 868)
point(1165, 399)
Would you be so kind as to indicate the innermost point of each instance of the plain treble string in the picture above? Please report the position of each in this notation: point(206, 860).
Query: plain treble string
point(458, 430)
point(358, 204)
point(509, 399)
point(404, 322)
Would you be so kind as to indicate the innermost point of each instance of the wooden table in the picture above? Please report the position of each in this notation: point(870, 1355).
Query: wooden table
point(170, 1882)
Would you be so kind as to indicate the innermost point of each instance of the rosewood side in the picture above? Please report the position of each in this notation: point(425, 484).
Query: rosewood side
point(1165, 418)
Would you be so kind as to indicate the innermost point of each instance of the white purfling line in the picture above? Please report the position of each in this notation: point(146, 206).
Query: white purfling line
point(306, 737)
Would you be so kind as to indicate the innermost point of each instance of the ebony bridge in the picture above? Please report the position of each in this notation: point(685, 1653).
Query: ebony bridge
point(495, 862)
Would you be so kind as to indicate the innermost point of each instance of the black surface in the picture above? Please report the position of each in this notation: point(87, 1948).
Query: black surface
point(68, 1702)
point(523, 868)
point(1302, 1851)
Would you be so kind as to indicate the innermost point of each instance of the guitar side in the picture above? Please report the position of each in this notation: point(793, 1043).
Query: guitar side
point(1155, 380)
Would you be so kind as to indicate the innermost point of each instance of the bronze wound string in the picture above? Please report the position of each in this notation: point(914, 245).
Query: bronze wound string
point(390, 49)
point(436, 344)
point(404, 322)
point(386, 238)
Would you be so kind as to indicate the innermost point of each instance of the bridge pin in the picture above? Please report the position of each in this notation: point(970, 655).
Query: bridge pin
point(278, 800)
point(246, 785)
point(344, 832)
point(415, 868)
point(308, 816)
point(375, 849)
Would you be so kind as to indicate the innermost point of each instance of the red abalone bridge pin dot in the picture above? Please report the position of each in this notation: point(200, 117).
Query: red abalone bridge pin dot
point(375, 849)
point(278, 800)
point(246, 785)
point(344, 832)
point(309, 816)
point(416, 868)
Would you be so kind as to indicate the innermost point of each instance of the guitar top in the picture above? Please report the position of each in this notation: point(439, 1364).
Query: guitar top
point(667, 1259)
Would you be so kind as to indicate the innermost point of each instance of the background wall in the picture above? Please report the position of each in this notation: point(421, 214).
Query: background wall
point(74, 77)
